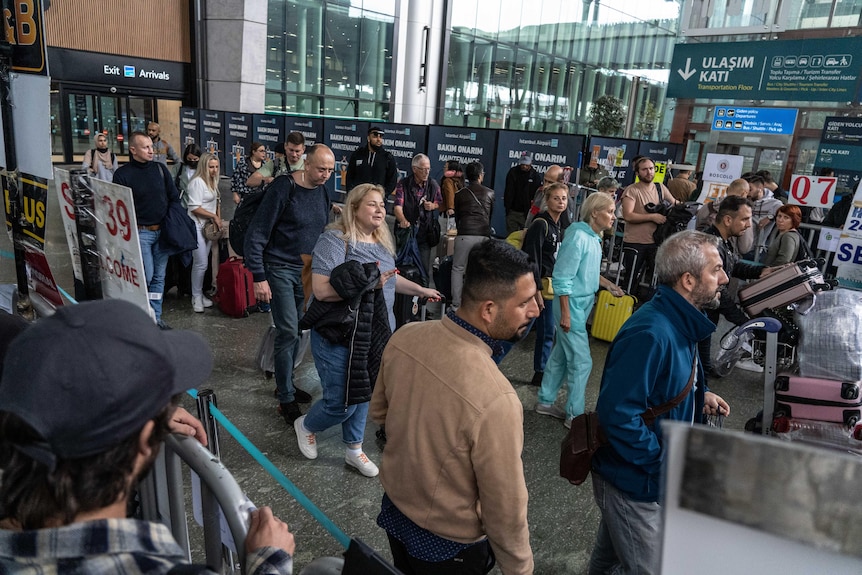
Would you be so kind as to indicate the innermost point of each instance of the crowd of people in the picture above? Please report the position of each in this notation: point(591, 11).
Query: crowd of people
point(455, 498)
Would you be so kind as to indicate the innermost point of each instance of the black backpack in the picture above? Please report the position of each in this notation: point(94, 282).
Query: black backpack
point(677, 220)
point(245, 211)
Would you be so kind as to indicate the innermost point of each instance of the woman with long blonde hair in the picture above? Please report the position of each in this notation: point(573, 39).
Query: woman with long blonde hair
point(203, 206)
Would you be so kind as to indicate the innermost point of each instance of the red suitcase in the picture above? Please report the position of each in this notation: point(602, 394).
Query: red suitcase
point(788, 284)
point(235, 288)
point(818, 399)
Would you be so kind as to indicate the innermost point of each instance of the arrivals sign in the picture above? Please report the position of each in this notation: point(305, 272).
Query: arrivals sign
point(826, 70)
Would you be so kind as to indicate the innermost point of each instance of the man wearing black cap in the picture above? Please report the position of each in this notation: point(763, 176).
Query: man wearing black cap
point(86, 398)
point(372, 164)
point(522, 182)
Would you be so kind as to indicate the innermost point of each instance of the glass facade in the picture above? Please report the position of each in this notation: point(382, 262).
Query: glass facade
point(330, 59)
point(539, 65)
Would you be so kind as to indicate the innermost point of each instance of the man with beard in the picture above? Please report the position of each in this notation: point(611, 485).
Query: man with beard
point(455, 496)
point(87, 396)
point(650, 363)
point(732, 221)
point(371, 164)
point(641, 224)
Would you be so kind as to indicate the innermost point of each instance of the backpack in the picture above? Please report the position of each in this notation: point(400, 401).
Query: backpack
point(804, 251)
point(244, 214)
point(677, 220)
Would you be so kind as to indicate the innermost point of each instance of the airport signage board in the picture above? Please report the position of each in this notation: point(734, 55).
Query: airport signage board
point(236, 141)
point(739, 119)
point(310, 128)
point(343, 136)
point(189, 128)
point(810, 69)
point(212, 133)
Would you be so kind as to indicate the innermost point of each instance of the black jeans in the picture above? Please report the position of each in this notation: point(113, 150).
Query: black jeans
point(477, 559)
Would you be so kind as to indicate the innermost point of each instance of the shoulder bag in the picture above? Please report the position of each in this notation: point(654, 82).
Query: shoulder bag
point(585, 435)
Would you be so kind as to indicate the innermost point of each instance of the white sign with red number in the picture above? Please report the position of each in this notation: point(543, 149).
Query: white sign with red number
point(123, 274)
point(812, 191)
point(848, 258)
point(63, 183)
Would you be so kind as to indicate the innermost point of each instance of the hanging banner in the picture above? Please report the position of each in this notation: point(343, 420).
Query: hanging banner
point(189, 128)
point(405, 141)
point(609, 157)
point(464, 145)
point(310, 128)
point(123, 275)
point(237, 139)
point(547, 149)
point(212, 133)
point(269, 131)
point(343, 137)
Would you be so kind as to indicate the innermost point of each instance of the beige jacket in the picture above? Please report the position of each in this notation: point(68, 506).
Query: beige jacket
point(455, 432)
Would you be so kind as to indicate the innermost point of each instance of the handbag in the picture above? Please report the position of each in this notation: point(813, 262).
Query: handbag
point(211, 232)
point(547, 288)
point(585, 435)
point(429, 224)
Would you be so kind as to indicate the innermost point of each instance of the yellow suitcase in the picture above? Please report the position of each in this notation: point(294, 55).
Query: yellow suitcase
point(610, 314)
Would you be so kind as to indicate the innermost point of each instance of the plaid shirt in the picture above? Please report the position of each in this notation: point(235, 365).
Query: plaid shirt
point(115, 546)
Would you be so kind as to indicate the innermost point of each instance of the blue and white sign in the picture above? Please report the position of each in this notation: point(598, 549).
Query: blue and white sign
point(754, 120)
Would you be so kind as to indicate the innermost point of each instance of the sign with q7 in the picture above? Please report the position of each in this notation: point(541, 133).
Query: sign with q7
point(816, 69)
point(812, 191)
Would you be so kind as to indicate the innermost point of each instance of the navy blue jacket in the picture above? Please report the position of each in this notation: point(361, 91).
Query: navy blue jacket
point(285, 226)
point(648, 364)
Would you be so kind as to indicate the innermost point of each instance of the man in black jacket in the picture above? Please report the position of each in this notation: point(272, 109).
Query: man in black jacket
point(285, 227)
point(371, 164)
point(473, 207)
point(522, 181)
point(733, 218)
point(152, 190)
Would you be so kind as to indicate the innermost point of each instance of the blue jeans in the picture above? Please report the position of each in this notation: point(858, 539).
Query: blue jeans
point(570, 360)
point(331, 363)
point(546, 327)
point(285, 282)
point(629, 537)
point(155, 265)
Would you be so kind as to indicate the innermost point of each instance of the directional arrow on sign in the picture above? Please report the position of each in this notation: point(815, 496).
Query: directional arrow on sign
point(689, 71)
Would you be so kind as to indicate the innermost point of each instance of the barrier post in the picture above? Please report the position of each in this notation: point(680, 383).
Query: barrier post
point(216, 553)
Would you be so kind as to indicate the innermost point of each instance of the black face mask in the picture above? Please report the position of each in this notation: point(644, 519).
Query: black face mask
point(103, 150)
point(193, 165)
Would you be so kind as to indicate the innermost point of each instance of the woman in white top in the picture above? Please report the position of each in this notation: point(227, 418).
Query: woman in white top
point(204, 205)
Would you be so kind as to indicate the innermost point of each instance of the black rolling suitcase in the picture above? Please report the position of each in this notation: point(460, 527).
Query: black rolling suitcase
point(408, 307)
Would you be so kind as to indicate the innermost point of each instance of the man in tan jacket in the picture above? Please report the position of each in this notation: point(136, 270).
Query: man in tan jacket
point(455, 497)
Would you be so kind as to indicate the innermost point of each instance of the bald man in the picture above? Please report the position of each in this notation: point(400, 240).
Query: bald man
point(705, 216)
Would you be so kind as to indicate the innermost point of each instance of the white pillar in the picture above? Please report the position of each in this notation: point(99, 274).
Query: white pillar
point(412, 104)
point(236, 54)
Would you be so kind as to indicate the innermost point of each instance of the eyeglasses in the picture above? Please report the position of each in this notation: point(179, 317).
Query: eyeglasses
point(376, 134)
point(421, 169)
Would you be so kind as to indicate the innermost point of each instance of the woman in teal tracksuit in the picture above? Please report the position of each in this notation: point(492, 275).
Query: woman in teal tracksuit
point(576, 280)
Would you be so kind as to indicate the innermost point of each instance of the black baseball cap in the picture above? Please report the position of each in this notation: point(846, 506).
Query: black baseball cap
point(375, 129)
point(93, 374)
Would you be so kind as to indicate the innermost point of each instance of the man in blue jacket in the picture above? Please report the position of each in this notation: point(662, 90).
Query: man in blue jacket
point(650, 363)
point(285, 228)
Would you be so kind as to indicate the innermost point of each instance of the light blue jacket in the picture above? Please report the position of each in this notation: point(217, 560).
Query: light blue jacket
point(576, 273)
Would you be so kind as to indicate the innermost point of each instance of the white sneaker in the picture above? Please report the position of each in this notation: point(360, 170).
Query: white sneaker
point(361, 462)
point(749, 365)
point(198, 303)
point(206, 301)
point(305, 439)
point(549, 409)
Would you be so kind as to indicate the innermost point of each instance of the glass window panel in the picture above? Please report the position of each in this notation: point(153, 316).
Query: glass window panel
point(464, 14)
point(375, 59)
point(82, 110)
point(56, 126)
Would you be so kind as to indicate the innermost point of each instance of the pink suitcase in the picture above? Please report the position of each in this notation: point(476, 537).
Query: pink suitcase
point(818, 399)
point(788, 284)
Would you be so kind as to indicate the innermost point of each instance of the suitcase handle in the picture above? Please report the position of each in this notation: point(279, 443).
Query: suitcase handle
point(797, 307)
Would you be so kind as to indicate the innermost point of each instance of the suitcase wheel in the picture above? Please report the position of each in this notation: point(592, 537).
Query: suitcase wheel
point(849, 391)
point(782, 410)
point(851, 418)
